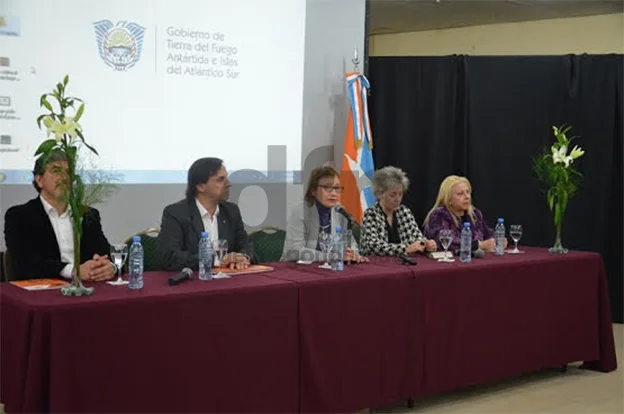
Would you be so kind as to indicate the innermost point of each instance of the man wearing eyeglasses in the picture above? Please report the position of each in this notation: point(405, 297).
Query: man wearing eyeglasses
point(316, 217)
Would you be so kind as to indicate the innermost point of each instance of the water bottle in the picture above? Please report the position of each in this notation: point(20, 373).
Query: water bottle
point(135, 264)
point(465, 245)
point(499, 237)
point(205, 257)
point(337, 251)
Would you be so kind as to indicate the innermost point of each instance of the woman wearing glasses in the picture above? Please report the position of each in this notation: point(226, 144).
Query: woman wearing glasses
point(389, 227)
point(316, 219)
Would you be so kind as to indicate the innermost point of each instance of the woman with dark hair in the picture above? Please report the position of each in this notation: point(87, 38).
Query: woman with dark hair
point(205, 208)
point(316, 215)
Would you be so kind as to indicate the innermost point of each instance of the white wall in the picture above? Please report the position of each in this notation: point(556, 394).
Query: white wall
point(600, 34)
point(333, 29)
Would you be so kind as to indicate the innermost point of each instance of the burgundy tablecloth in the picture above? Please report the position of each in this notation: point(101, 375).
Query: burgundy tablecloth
point(220, 346)
point(302, 338)
point(356, 334)
point(503, 316)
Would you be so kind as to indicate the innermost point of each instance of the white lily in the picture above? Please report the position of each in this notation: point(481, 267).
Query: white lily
point(560, 155)
point(58, 129)
point(576, 152)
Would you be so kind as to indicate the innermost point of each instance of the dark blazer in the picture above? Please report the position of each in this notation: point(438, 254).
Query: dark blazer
point(181, 228)
point(32, 246)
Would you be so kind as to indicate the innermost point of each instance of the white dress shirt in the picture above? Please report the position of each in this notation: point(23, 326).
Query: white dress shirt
point(211, 223)
point(63, 230)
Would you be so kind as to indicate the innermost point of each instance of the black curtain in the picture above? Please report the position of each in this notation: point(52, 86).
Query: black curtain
point(487, 117)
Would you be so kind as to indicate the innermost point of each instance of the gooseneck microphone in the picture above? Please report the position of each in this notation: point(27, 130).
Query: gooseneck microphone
point(406, 260)
point(185, 274)
point(477, 254)
point(341, 210)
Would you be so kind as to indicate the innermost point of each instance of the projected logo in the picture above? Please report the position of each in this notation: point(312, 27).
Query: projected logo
point(119, 45)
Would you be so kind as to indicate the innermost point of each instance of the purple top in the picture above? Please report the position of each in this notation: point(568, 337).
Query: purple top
point(441, 218)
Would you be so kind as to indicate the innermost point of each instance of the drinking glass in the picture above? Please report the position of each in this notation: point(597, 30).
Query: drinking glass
point(325, 242)
point(515, 231)
point(119, 254)
point(446, 237)
point(221, 248)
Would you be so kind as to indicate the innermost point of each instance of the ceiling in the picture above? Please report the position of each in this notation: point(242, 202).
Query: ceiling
point(393, 16)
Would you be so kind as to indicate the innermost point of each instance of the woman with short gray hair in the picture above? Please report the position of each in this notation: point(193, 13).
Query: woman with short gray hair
point(389, 227)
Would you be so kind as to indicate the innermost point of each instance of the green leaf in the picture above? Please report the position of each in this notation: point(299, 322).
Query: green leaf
point(45, 147)
point(557, 213)
point(79, 189)
point(44, 102)
point(79, 112)
point(79, 133)
point(65, 80)
point(91, 148)
point(71, 153)
point(40, 118)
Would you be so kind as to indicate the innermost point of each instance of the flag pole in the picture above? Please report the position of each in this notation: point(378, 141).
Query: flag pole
point(356, 60)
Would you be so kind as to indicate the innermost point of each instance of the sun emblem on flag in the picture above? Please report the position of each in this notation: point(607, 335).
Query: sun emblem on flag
point(119, 45)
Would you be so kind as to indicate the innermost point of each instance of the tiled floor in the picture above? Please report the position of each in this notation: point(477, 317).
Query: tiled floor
point(572, 392)
point(575, 391)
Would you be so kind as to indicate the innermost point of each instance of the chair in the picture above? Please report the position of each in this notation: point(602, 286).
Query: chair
point(6, 267)
point(268, 243)
point(152, 258)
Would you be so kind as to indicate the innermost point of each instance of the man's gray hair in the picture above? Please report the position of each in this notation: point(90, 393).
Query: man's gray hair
point(388, 177)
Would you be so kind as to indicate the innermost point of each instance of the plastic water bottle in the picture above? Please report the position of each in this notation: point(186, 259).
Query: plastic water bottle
point(135, 264)
point(337, 251)
point(205, 257)
point(499, 237)
point(465, 245)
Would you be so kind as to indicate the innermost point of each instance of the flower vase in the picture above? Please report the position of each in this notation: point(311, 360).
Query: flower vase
point(558, 246)
point(76, 288)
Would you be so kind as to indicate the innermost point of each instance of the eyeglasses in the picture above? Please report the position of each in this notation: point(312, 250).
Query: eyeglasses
point(330, 188)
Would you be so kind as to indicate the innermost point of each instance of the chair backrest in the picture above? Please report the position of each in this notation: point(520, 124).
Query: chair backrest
point(152, 260)
point(6, 267)
point(268, 243)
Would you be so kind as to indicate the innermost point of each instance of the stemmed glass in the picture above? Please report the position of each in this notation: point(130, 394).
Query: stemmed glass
point(445, 236)
point(515, 231)
point(325, 243)
point(220, 247)
point(119, 254)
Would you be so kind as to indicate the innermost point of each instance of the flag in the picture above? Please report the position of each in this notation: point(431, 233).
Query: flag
point(357, 162)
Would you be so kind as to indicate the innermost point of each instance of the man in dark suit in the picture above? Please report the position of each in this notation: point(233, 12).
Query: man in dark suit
point(204, 209)
point(39, 234)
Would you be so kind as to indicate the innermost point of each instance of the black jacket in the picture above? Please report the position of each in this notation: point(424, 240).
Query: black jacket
point(181, 228)
point(31, 243)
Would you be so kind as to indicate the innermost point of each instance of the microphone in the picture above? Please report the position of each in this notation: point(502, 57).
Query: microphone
point(477, 254)
point(407, 260)
point(341, 210)
point(185, 274)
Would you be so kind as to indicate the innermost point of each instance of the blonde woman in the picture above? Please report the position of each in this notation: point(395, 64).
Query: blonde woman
point(452, 208)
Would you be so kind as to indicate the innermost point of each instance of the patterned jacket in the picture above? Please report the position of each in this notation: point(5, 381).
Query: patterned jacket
point(374, 239)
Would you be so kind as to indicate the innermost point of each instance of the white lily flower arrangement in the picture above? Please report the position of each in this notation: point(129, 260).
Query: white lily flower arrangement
point(556, 169)
point(64, 135)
